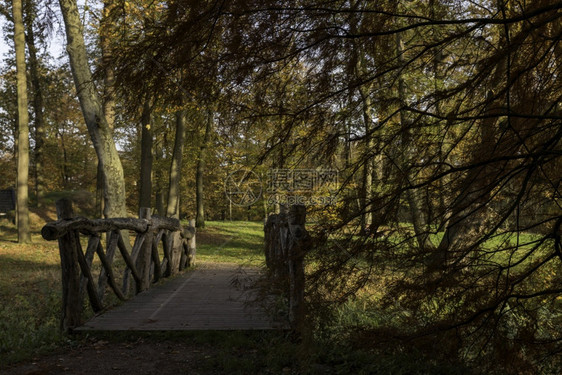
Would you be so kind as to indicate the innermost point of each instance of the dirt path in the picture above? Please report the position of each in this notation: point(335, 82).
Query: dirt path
point(102, 357)
point(148, 355)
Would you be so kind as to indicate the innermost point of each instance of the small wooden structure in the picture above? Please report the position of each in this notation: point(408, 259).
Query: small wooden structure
point(7, 201)
point(286, 244)
point(144, 262)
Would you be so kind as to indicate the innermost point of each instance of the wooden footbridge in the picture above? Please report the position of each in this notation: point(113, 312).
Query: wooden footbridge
point(206, 297)
point(211, 297)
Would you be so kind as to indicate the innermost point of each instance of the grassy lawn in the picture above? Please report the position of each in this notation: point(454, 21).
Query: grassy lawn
point(231, 241)
point(30, 295)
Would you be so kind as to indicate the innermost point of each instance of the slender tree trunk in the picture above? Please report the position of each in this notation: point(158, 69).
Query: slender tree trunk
point(145, 193)
point(468, 209)
point(23, 126)
point(367, 207)
point(359, 67)
point(199, 193)
point(108, 99)
point(64, 165)
point(417, 215)
point(92, 109)
point(159, 174)
point(106, 29)
point(348, 126)
point(172, 209)
point(37, 103)
point(99, 209)
point(437, 79)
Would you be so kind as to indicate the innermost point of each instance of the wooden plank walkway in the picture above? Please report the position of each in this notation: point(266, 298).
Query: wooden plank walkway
point(202, 299)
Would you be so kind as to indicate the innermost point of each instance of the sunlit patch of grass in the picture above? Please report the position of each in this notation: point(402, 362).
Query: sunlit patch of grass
point(231, 242)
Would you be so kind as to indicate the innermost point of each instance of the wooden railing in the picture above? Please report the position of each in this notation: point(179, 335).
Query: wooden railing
point(145, 262)
point(286, 244)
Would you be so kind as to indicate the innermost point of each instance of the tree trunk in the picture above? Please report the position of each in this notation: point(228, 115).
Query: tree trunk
point(468, 210)
point(465, 217)
point(99, 208)
point(173, 209)
point(108, 99)
point(199, 193)
point(65, 178)
point(23, 126)
point(70, 272)
point(417, 215)
point(145, 193)
point(175, 167)
point(92, 110)
point(367, 207)
point(107, 63)
point(359, 68)
point(159, 194)
point(37, 103)
point(438, 77)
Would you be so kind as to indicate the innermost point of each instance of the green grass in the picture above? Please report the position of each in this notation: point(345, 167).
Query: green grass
point(30, 295)
point(231, 242)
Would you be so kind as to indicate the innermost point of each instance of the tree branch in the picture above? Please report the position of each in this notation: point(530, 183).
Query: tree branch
point(6, 13)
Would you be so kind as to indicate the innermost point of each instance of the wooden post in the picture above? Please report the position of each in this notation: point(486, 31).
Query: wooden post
point(268, 232)
point(297, 215)
point(175, 251)
point(145, 254)
point(192, 244)
point(167, 248)
point(71, 301)
point(296, 252)
point(286, 243)
point(157, 270)
point(283, 241)
point(276, 236)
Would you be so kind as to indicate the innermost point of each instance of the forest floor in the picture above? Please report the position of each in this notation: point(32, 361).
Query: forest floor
point(138, 354)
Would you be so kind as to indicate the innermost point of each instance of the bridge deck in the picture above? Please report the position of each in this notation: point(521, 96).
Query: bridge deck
point(211, 297)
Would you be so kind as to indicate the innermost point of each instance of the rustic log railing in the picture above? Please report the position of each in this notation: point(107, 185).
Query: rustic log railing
point(143, 261)
point(286, 244)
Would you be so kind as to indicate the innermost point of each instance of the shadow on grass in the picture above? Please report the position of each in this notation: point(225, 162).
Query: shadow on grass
point(25, 264)
point(8, 232)
point(43, 215)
